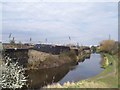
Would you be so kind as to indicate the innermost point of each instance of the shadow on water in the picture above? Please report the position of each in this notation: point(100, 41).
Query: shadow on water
point(43, 77)
point(69, 72)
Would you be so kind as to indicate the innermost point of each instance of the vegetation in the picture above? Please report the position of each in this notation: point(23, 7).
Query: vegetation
point(104, 62)
point(50, 61)
point(108, 78)
point(70, 55)
point(83, 54)
point(118, 63)
point(98, 49)
point(110, 74)
point(82, 84)
point(93, 48)
point(12, 75)
point(109, 46)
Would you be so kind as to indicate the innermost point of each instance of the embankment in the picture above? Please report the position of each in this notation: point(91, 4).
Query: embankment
point(40, 60)
point(106, 79)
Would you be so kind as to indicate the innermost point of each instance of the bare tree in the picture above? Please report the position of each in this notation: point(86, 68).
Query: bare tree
point(107, 46)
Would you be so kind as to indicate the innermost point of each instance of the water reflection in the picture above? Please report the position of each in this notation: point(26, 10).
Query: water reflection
point(70, 72)
point(39, 78)
point(88, 68)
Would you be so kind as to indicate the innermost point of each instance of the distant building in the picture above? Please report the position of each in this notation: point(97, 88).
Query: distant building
point(53, 49)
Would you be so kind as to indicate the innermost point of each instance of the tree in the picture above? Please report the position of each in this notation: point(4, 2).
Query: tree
point(108, 46)
point(93, 48)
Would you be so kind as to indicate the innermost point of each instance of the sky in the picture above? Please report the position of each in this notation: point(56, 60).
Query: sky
point(86, 23)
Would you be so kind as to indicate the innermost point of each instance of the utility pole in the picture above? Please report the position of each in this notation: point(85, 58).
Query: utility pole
point(69, 38)
point(70, 41)
point(109, 37)
point(30, 40)
point(77, 45)
point(10, 36)
point(46, 40)
point(13, 38)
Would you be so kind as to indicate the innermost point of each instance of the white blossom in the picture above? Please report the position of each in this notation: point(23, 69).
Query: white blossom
point(12, 75)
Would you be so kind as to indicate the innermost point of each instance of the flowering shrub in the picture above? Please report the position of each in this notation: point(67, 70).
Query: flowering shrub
point(13, 75)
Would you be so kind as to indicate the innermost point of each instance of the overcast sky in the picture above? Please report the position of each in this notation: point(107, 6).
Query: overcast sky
point(87, 23)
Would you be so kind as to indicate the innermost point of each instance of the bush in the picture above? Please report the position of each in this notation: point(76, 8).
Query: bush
point(109, 46)
point(105, 62)
point(93, 48)
point(68, 55)
point(13, 76)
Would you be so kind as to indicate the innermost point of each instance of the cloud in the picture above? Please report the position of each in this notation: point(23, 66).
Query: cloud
point(84, 22)
point(60, 1)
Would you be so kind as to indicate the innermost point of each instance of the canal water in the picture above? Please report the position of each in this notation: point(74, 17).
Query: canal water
point(70, 72)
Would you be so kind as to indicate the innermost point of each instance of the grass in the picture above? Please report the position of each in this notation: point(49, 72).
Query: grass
point(110, 75)
point(1, 61)
point(108, 69)
point(111, 81)
point(71, 54)
point(108, 78)
point(82, 84)
point(40, 60)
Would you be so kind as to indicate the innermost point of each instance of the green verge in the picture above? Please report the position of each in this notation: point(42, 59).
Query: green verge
point(108, 78)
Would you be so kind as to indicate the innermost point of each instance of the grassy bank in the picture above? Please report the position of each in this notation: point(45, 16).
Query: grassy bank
point(41, 60)
point(110, 75)
point(108, 78)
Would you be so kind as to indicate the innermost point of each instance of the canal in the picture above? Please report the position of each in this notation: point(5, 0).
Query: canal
point(69, 72)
